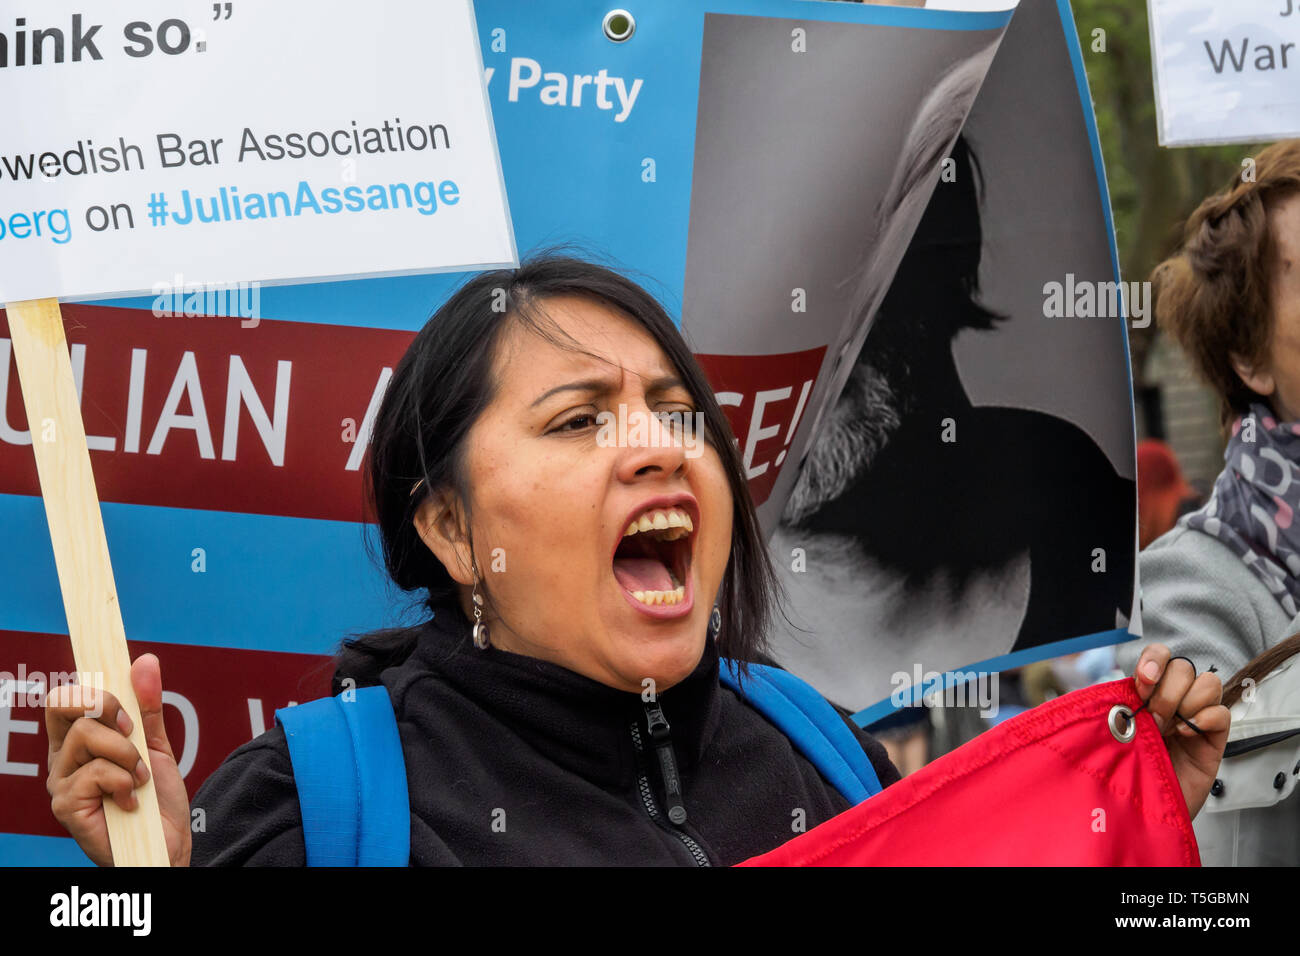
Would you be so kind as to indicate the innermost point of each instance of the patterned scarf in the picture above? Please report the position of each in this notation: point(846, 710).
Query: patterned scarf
point(1254, 503)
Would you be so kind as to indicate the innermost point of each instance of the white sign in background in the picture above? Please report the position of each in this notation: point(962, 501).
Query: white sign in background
point(1226, 71)
point(243, 141)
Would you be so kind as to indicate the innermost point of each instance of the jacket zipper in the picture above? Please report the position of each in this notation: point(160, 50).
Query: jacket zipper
point(647, 794)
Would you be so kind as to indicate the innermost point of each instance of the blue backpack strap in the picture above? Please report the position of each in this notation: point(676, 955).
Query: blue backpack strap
point(814, 727)
point(351, 778)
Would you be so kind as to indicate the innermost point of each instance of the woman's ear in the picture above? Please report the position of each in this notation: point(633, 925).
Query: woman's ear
point(1258, 380)
point(440, 523)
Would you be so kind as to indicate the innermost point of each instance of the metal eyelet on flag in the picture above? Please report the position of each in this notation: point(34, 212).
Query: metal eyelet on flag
point(619, 25)
point(1122, 725)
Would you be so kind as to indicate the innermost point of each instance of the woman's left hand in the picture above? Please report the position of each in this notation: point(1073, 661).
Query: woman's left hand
point(1173, 688)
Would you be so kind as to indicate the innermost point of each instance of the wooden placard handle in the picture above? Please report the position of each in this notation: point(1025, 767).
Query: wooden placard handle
point(81, 552)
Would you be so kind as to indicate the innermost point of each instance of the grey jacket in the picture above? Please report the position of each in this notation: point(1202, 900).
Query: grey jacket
point(1200, 600)
point(1253, 817)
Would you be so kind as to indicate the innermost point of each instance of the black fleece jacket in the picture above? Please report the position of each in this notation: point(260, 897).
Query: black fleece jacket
point(516, 761)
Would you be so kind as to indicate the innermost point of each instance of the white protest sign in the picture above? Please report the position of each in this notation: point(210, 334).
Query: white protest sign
point(1226, 72)
point(230, 142)
point(243, 141)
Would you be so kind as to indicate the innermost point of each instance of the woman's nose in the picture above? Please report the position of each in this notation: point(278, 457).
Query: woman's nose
point(649, 443)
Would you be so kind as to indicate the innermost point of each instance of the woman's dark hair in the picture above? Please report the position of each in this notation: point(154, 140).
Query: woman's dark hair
point(437, 392)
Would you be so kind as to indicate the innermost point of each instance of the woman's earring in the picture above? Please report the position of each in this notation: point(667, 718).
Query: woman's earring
point(480, 629)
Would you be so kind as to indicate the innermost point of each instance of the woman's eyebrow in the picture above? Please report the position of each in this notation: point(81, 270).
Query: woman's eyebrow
point(589, 385)
point(605, 386)
point(665, 383)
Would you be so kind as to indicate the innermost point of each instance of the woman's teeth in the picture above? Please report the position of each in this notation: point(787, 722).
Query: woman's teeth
point(662, 524)
point(673, 520)
point(675, 596)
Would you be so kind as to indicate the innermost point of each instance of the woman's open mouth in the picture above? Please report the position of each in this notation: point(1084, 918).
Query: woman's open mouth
point(652, 562)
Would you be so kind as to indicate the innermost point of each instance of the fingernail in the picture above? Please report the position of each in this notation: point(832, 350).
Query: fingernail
point(141, 771)
point(1150, 670)
point(124, 722)
point(1160, 722)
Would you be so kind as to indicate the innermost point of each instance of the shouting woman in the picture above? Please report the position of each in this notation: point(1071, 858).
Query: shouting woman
point(563, 702)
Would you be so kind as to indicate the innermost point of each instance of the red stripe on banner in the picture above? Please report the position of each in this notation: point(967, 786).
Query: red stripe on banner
point(171, 405)
point(214, 700)
point(765, 398)
point(203, 412)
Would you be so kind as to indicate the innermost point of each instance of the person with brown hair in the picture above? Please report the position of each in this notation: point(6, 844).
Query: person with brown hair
point(1224, 584)
point(1222, 588)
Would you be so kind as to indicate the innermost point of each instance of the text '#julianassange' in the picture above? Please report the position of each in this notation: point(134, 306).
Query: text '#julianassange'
point(228, 204)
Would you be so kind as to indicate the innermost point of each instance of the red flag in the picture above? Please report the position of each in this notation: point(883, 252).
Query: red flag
point(1052, 786)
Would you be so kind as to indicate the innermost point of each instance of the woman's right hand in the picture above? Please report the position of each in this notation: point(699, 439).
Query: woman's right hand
point(92, 756)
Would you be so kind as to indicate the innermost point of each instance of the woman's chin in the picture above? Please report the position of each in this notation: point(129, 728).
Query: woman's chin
point(663, 654)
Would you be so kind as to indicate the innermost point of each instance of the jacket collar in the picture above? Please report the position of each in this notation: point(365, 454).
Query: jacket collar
point(580, 723)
